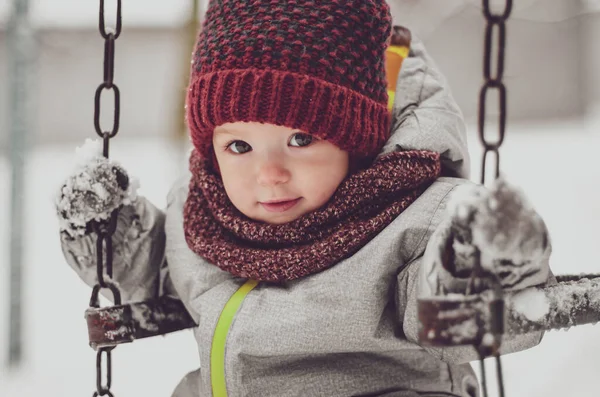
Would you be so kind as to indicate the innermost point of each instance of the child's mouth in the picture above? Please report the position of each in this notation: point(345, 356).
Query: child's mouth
point(280, 206)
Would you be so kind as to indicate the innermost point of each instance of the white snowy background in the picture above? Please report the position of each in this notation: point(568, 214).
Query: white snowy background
point(554, 160)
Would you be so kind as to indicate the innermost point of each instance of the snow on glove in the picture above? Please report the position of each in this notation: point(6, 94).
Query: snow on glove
point(96, 188)
point(497, 227)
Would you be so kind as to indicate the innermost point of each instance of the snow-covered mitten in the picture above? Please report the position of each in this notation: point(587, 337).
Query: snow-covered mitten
point(496, 227)
point(96, 188)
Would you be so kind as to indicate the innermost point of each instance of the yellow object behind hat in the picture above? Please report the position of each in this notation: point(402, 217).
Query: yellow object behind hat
point(394, 56)
point(397, 51)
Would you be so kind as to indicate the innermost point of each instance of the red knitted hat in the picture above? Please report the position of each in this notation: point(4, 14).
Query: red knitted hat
point(312, 65)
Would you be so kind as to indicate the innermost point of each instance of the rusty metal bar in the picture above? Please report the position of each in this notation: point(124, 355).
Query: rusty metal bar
point(458, 319)
point(113, 325)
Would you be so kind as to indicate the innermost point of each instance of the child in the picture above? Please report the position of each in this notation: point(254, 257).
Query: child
point(296, 240)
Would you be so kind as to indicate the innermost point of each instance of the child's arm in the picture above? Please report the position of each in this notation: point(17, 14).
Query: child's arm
point(425, 115)
point(522, 241)
point(407, 295)
point(96, 188)
point(139, 265)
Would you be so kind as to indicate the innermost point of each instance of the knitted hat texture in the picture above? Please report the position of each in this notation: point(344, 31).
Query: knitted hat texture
point(313, 65)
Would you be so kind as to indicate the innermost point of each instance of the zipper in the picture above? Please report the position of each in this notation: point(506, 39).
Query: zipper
point(217, 352)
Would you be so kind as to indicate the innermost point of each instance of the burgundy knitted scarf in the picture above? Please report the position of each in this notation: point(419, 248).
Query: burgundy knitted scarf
point(364, 203)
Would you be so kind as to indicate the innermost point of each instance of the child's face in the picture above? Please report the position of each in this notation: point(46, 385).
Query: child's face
point(276, 174)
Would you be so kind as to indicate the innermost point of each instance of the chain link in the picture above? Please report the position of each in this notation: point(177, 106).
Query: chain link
point(108, 67)
point(103, 390)
point(105, 230)
point(493, 81)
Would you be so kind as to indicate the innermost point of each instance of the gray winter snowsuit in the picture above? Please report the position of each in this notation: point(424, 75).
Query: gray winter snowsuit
point(350, 330)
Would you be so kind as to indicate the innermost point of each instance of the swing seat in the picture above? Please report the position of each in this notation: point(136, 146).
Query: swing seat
point(114, 325)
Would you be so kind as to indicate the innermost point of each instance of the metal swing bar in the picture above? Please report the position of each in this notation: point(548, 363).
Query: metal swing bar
point(114, 325)
point(466, 319)
point(574, 301)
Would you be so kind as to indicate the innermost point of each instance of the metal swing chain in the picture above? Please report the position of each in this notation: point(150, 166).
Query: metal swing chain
point(105, 230)
point(493, 81)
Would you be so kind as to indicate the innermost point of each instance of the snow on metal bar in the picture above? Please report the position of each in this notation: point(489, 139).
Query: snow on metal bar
point(463, 320)
point(567, 304)
point(114, 325)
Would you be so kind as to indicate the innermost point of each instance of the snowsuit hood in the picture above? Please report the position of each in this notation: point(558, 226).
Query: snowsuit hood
point(436, 125)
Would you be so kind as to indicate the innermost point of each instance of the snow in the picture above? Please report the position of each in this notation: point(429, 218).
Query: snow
point(488, 339)
point(532, 304)
point(464, 201)
point(552, 162)
point(141, 316)
point(86, 153)
point(92, 191)
point(569, 298)
point(501, 219)
point(501, 224)
point(465, 329)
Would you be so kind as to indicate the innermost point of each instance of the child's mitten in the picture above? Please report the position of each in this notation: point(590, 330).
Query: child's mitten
point(496, 228)
point(96, 188)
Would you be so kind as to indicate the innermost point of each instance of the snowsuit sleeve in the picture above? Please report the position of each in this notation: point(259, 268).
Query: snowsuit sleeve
point(411, 285)
point(139, 265)
point(425, 115)
point(407, 295)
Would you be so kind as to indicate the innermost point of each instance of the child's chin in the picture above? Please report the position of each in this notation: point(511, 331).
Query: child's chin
point(280, 219)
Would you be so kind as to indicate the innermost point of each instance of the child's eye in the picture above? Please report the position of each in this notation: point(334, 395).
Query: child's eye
point(239, 147)
point(299, 139)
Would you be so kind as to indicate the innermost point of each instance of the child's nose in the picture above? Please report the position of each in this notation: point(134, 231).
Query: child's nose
point(273, 173)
